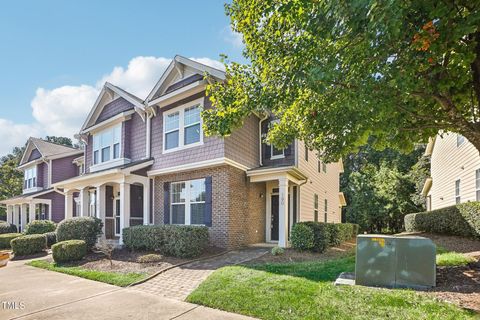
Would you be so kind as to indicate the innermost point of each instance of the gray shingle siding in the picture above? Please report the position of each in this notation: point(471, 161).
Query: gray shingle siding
point(89, 154)
point(242, 145)
point(135, 136)
point(113, 108)
point(42, 175)
point(212, 148)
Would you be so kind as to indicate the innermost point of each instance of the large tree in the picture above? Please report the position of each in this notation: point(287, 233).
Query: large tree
point(337, 72)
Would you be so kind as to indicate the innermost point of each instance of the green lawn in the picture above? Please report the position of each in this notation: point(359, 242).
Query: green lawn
point(117, 279)
point(305, 291)
point(452, 258)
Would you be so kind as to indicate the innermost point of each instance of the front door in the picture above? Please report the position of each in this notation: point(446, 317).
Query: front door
point(274, 221)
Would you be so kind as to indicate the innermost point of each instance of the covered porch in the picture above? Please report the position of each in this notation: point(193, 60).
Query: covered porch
point(26, 208)
point(282, 200)
point(119, 197)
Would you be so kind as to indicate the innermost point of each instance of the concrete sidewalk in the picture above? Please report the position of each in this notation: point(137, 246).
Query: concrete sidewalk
point(42, 294)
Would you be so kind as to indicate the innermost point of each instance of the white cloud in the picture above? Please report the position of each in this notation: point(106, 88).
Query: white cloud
point(232, 37)
point(16, 135)
point(61, 111)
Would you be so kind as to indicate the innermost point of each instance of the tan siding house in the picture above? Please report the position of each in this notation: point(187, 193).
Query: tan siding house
point(454, 165)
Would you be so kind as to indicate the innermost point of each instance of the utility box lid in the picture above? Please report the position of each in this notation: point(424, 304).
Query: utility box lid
point(395, 261)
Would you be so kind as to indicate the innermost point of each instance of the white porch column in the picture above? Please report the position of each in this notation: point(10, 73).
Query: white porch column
point(101, 200)
point(16, 209)
point(68, 204)
point(283, 213)
point(31, 211)
point(10, 214)
point(146, 203)
point(124, 208)
point(23, 212)
point(84, 202)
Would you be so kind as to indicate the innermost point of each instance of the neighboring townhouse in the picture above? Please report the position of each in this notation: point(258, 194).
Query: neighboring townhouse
point(149, 162)
point(43, 163)
point(455, 171)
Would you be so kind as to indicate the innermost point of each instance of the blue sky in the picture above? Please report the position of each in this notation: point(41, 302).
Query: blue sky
point(53, 51)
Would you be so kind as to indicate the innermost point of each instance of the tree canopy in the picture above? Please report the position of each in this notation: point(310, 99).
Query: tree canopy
point(338, 72)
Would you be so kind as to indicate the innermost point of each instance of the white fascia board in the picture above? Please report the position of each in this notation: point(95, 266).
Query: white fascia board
point(201, 67)
point(162, 79)
point(191, 89)
point(198, 165)
point(109, 122)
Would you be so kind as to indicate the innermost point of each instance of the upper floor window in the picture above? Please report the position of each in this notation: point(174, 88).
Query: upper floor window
point(457, 191)
point(315, 207)
point(460, 140)
point(106, 144)
point(30, 178)
point(477, 184)
point(277, 153)
point(182, 127)
point(325, 209)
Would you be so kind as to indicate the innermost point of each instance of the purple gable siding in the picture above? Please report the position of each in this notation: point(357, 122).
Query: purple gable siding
point(42, 175)
point(113, 108)
point(35, 154)
point(58, 205)
point(63, 169)
point(212, 148)
point(135, 138)
point(89, 154)
point(184, 82)
point(126, 129)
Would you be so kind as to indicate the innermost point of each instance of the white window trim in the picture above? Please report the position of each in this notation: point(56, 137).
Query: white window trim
point(477, 185)
point(35, 175)
point(187, 202)
point(181, 126)
point(461, 143)
point(111, 128)
point(278, 156)
point(459, 196)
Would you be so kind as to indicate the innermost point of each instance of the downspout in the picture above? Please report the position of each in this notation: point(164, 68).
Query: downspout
point(260, 138)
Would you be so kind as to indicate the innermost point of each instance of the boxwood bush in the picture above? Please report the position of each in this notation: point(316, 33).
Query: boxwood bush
point(69, 250)
point(318, 236)
point(460, 220)
point(170, 240)
point(40, 227)
point(6, 227)
point(29, 244)
point(80, 228)
point(6, 238)
point(51, 238)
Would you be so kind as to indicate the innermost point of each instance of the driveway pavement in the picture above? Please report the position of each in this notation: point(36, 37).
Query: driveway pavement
point(31, 293)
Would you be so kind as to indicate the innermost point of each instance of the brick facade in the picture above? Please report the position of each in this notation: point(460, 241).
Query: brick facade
point(238, 209)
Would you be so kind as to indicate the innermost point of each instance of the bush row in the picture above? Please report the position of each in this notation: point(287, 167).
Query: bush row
point(40, 227)
point(69, 250)
point(6, 227)
point(6, 238)
point(170, 240)
point(29, 244)
point(80, 228)
point(460, 220)
point(318, 236)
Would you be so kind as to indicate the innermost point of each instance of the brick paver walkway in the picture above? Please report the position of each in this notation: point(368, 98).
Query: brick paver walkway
point(179, 282)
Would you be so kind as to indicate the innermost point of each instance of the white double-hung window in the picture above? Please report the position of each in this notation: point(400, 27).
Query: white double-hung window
point(182, 127)
point(106, 144)
point(30, 178)
point(188, 202)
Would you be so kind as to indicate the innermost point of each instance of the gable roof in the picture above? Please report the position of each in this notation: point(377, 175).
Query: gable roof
point(46, 149)
point(177, 67)
point(106, 96)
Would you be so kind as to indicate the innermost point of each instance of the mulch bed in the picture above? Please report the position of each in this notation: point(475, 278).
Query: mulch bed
point(291, 255)
point(125, 261)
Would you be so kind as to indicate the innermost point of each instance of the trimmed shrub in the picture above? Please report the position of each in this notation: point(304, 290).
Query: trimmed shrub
point(6, 238)
point(170, 240)
point(302, 237)
point(277, 251)
point(318, 236)
point(69, 250)
point(460, 220)
point(150, 258)
point(6, 227)
point(80, 228)
point(40, 227)
point(29, 244)
point(51, 238)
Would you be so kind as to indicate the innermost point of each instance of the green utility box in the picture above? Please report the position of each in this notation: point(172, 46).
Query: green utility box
point(395, 261)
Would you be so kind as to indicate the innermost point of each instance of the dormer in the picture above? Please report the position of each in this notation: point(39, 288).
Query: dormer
point(108, 129)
